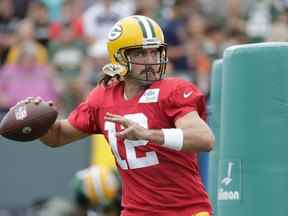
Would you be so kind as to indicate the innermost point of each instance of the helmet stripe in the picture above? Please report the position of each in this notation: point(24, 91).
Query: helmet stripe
point(96, 176)
point(146, 27)
point(144, 32)
point(151, 27)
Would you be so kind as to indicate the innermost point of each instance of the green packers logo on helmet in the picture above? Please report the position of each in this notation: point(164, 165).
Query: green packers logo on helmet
point(115, 32)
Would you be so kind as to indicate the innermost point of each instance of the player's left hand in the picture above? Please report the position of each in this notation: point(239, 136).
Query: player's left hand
point(132, 131)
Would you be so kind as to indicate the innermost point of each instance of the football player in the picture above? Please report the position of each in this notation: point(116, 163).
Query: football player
point(154, 125)
point(98, 188)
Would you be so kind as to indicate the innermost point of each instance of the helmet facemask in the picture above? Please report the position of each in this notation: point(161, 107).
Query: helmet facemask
point(136, 33)
point(130, 56)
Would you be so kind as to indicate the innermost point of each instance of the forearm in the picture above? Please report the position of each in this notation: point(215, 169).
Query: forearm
point(155, 136)
point(193, 139)
point(61, 133)
point(53, 137)
point(197, 139)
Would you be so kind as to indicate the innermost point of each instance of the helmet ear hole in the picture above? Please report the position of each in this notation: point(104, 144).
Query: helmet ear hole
point(120, 59)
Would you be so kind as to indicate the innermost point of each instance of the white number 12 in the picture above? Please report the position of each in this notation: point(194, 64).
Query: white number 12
point(132, 160)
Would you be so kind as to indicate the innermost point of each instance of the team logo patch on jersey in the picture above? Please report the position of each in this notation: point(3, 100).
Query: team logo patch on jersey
point(150, 96)
point(115, 32)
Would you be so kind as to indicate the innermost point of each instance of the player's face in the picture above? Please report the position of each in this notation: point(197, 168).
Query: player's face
point(144, 64)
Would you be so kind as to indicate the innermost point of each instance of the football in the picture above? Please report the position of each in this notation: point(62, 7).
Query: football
point(28, 121)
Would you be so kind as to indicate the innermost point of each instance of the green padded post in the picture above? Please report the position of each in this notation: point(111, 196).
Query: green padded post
point(215, 105)
point(253, 171)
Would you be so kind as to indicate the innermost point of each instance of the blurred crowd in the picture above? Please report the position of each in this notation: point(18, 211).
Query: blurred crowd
point(55, 49)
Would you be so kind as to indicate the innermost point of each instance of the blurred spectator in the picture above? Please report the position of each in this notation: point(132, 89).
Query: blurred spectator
point(68, 14)
point(149, 8)
point(194, 6)
point(97, 58)
point(21, 7)
point(38, 13)
point(198, 64)
point(197, 61)
point(101, 16)
point(174, 32)
point(54, 9)
point(258, 26)
point(283, 2)
point(98, 19)
point(196, 27)
point(215, 40)
point(67, 55)
point(26, 36)
point(279, 28)
point(26, 78)
point(7, 28)
point(235, 37)
point(226, 8)
point(77, 8)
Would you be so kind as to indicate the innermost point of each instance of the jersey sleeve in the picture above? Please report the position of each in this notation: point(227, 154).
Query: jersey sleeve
point(184, 99)
point(84, 117)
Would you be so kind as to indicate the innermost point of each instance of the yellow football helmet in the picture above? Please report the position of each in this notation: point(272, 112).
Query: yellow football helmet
point(130, 33)
point(97, 186)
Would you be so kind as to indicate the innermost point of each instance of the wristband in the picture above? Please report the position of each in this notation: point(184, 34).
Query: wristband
point(173, 138)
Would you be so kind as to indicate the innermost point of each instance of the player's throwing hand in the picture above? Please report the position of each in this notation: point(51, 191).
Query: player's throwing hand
point(132, 131)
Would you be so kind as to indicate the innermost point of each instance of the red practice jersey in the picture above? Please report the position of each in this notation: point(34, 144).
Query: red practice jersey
point(156, 180)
